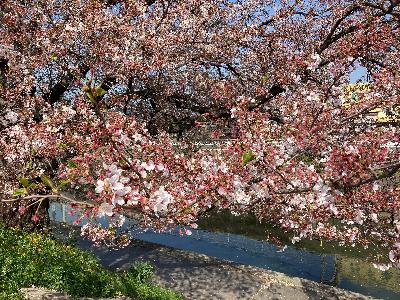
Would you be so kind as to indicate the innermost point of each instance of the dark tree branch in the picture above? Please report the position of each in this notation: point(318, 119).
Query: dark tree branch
point(388, 173)
point(262, 99)
point(331, 37)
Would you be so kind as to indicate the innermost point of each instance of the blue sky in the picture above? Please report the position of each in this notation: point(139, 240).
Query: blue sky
point(360, 73)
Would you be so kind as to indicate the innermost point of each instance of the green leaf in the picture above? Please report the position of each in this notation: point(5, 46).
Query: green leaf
point(247, 157)
point(24, 181)
point(63, 183)
point(47, 181)
point(264, 79)
point(62, 146)
point(29, 165)
point(91, 98)
point(71, 164)
point(100, 91)
point(188, 210)
point(32, 185)
point(20, 192)
point(202, 119)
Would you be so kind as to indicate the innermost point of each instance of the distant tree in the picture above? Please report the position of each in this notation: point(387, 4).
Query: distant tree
point(105, 98)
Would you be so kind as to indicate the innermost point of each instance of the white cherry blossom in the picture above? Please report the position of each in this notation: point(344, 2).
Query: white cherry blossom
point(105, 209)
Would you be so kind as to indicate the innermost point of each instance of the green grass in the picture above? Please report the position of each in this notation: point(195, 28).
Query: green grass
point(28, 259)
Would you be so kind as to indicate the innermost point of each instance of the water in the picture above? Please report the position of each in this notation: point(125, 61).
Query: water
point(242, 240)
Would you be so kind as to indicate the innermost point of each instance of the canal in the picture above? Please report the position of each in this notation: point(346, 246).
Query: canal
point(243, 239)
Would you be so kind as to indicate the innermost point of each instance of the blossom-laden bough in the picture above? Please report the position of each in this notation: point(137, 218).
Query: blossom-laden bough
point(109, 99)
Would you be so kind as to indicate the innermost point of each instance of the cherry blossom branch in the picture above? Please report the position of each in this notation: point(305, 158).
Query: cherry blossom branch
point(331, 38)
point(51, 196)
point(387, 174)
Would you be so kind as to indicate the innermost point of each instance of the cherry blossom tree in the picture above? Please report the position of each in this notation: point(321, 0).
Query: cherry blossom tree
point(103, 103)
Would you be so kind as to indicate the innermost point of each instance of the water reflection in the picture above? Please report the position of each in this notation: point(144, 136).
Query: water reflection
point(243, 240)
point(345, 267)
